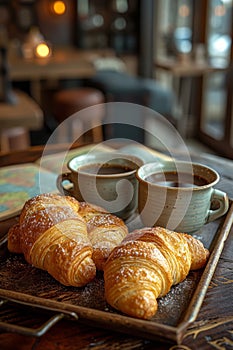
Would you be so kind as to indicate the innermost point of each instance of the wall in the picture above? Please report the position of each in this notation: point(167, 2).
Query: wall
point(57, 29)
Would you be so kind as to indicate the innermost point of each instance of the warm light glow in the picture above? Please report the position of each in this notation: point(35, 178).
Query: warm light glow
point(59, 7)
point(42, 50)
point(184, 11)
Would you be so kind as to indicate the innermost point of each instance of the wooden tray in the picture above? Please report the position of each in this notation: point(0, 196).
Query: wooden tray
point(25, 284)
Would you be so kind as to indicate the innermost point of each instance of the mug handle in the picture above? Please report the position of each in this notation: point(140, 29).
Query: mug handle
point(61, 188)
point(222, 199)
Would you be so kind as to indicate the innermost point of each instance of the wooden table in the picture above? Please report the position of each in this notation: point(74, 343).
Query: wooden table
point(182, 72)
point(64, 63)
point(213, 328)
point(25, 113)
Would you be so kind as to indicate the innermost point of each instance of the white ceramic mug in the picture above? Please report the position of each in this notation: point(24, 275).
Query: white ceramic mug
point(105, 179)
point(179, 195)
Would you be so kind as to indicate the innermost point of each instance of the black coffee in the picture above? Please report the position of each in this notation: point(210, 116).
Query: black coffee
point(171, 179)
point(105, 169)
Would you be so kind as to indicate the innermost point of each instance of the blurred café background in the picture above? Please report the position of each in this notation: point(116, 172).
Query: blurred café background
point(173, 56)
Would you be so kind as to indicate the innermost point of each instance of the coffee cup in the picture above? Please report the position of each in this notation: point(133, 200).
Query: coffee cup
point(104, 179)
point(179, 195)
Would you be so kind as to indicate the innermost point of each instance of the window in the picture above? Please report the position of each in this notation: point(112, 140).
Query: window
point(216, 117)
point(202, 31)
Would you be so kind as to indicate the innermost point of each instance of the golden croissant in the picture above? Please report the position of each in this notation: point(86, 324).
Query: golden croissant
point(105, 231)
point(52, 235)
point(146, 265)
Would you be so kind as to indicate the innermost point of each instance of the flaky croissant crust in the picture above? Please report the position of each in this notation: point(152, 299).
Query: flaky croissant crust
point(145, 266)
point(53, 236)
point(67, 238)
point(105, 231)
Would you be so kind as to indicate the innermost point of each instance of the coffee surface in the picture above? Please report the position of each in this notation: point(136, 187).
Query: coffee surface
point(105, 169)
point(173, 179)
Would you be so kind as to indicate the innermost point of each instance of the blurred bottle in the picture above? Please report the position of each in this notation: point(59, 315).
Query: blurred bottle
point(33, 38)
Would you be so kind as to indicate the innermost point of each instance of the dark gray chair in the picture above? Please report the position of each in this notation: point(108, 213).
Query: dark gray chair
point(119, 86)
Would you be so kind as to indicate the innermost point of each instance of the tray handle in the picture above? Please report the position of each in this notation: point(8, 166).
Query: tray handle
point(35, 332)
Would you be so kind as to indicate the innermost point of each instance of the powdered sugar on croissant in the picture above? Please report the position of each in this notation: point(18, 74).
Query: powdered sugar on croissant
point(145, 266)
point(67, 238)
point(105, 231)
point(53, 237)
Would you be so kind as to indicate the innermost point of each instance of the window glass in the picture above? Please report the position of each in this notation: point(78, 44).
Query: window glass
point(219, 31)
point(175, 23)
point(214, 105)
point(218, 49)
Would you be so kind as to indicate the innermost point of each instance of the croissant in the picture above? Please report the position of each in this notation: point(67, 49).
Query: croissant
point(105, 231)
point(53, 237)
point(146, 265)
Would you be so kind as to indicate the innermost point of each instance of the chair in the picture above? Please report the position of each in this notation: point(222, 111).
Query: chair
point(16, 138)
point(70, 101)
point(119, 86)
point(16, 120)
